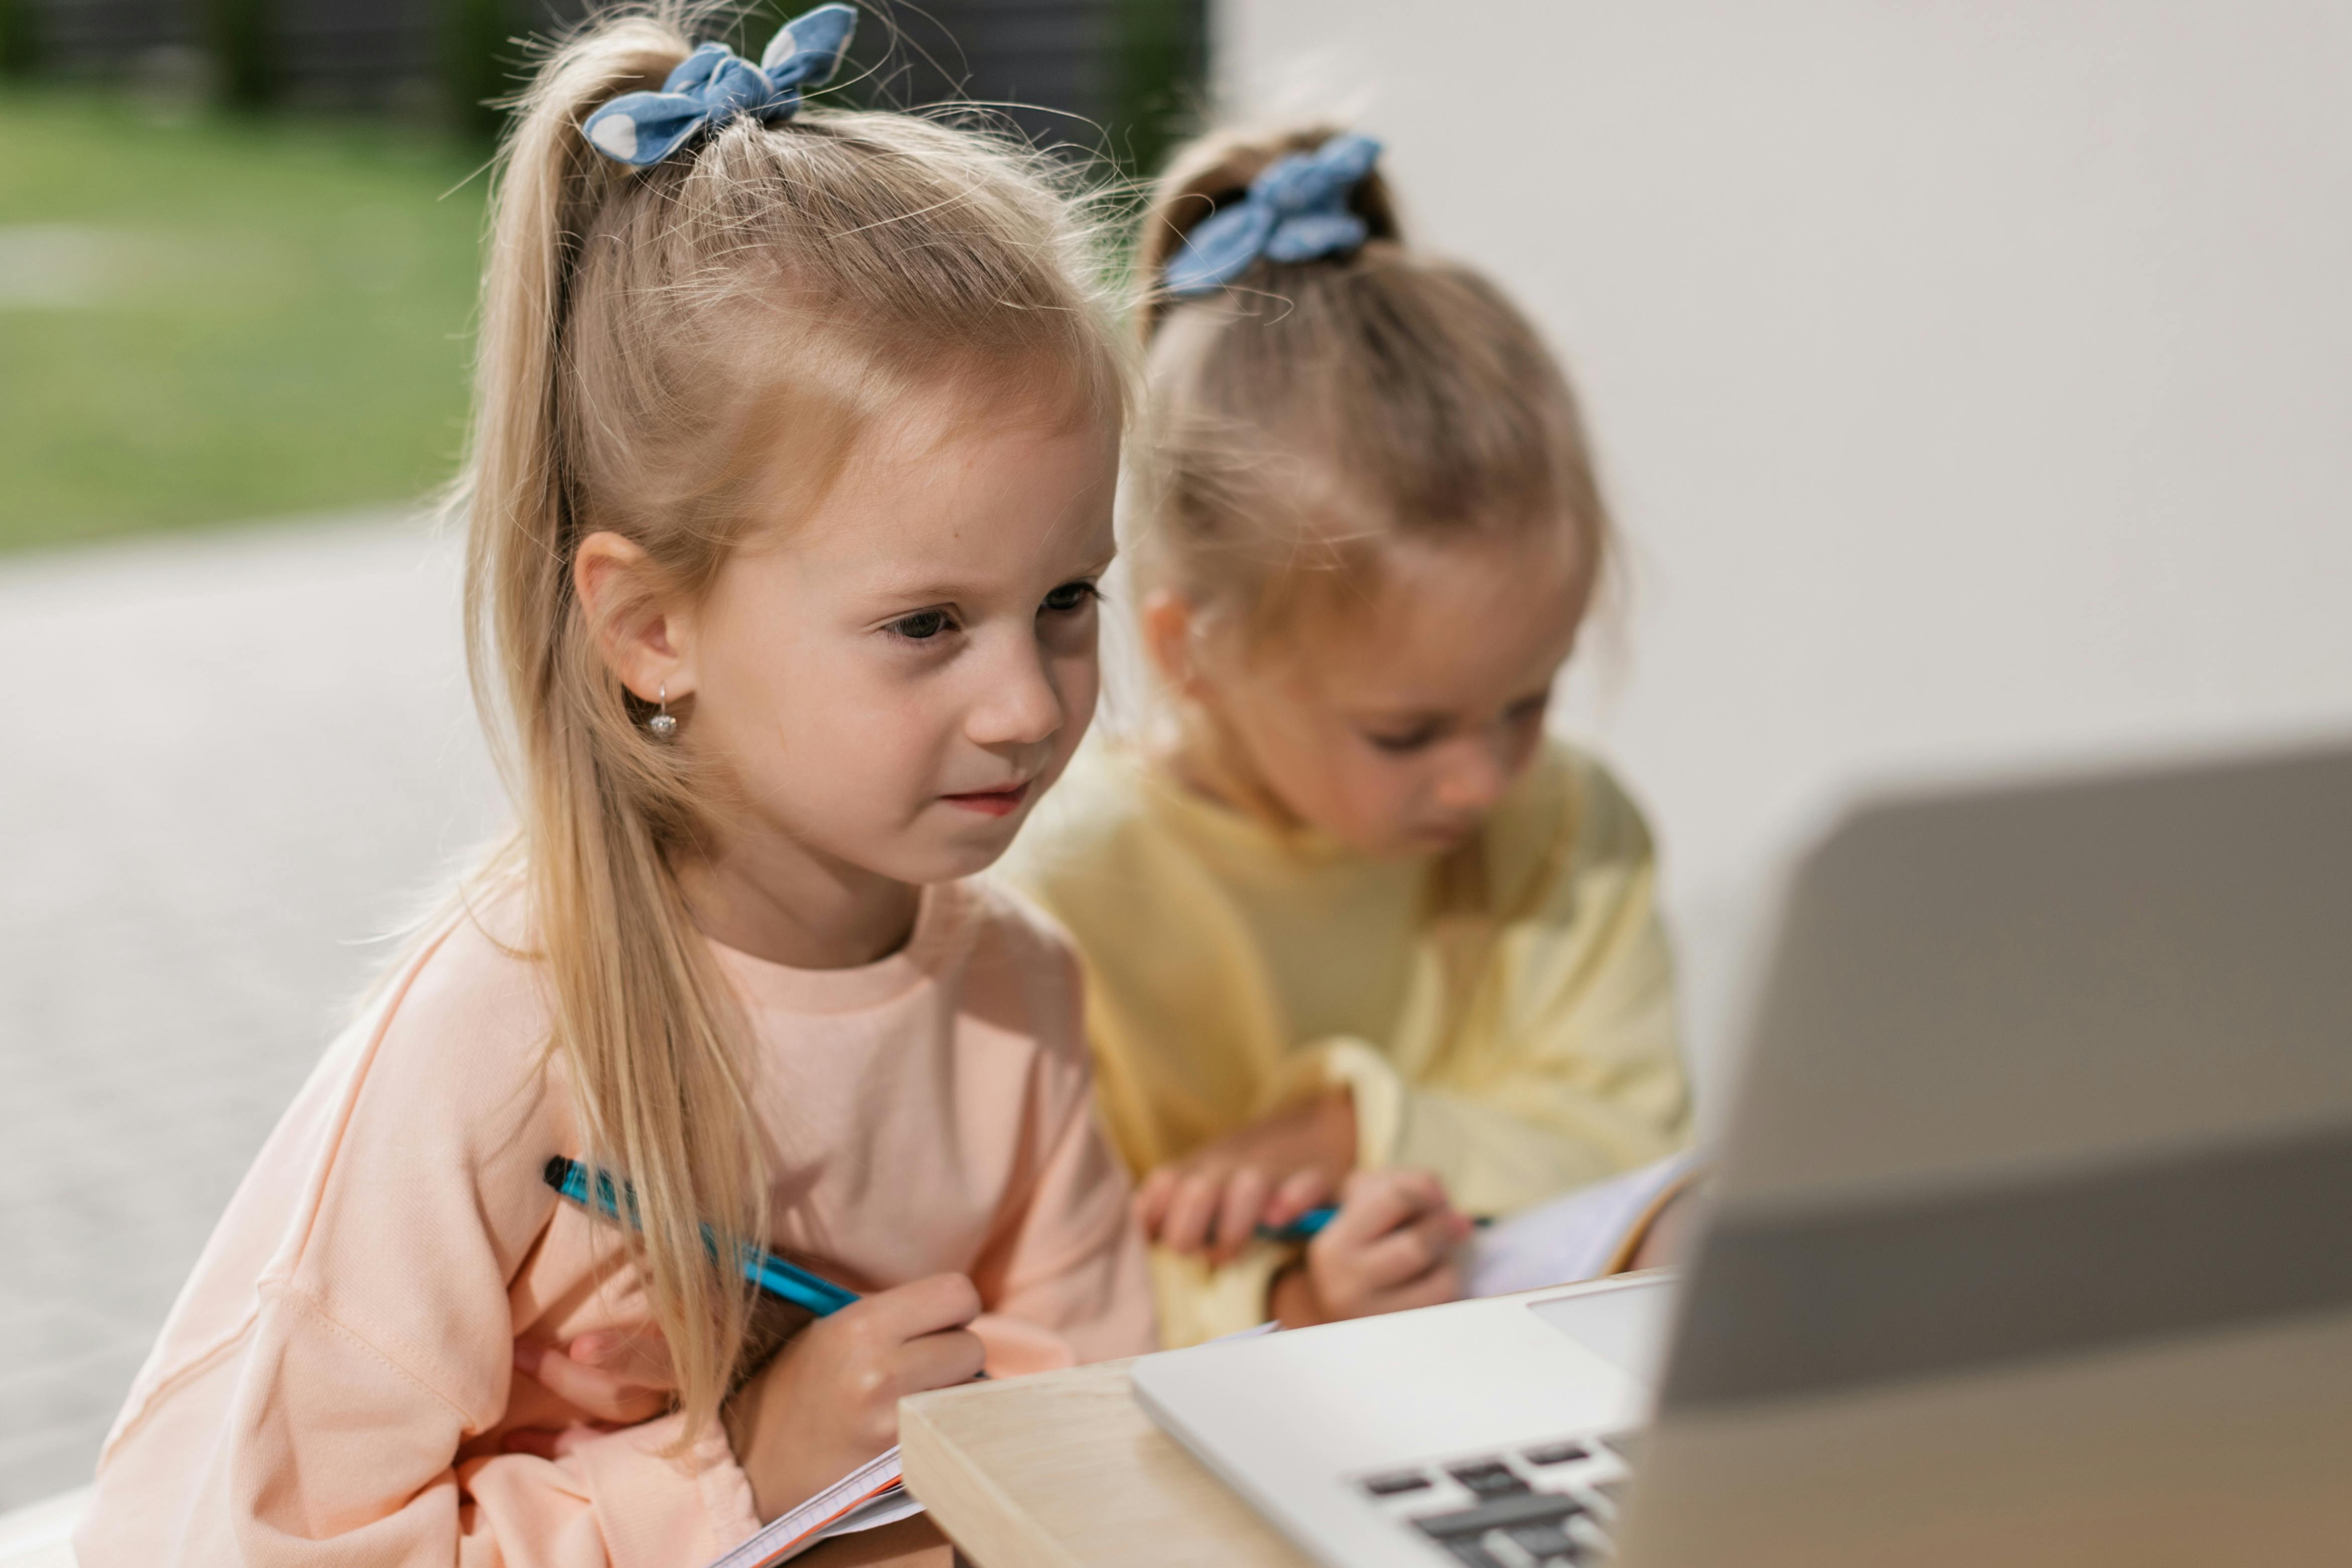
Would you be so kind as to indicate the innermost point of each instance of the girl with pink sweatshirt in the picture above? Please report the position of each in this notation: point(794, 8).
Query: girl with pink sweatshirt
point(791, 483)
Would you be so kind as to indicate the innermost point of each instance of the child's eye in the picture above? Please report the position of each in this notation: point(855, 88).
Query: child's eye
point(1404, 741)
point(1527, 708)
point(1071, 596)
point(921, 627)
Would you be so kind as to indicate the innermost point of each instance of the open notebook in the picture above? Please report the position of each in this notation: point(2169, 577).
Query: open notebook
point(1575, 1236)
point(870, 1496)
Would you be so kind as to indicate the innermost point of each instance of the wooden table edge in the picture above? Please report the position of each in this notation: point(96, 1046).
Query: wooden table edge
point(1065, 1470)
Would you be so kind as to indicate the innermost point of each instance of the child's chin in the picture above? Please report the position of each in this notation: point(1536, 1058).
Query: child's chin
point(971, 849)
point(1431, 840)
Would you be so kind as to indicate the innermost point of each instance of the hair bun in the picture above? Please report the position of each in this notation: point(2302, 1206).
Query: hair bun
point(1213, 171)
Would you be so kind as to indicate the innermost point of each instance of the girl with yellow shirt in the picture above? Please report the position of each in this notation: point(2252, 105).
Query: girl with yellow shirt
point(1346, 909)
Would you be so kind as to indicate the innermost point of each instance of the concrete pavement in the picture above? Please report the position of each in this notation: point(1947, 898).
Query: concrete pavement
point(229, 763)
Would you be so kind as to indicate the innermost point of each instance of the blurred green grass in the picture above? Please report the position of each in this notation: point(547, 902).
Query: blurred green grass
point(206, 320)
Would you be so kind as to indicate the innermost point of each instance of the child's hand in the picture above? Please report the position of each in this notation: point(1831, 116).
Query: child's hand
point(1391, 1247)
point(616, 1377)
point(1269, 1173)
point(829, 1402)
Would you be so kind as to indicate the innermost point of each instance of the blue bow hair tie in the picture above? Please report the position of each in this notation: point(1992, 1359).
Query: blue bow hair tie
point(714, 83)
point(1296, 211)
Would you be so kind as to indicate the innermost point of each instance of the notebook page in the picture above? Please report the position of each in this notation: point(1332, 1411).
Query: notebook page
point(862, 1499)
point(1571, 1238)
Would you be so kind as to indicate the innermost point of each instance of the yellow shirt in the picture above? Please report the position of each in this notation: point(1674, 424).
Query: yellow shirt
point(1233, 967)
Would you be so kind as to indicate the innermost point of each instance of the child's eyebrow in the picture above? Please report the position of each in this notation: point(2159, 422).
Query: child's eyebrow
point(918, 591)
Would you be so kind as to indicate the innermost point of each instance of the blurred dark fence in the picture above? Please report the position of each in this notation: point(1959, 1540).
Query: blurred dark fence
point(1113, 76)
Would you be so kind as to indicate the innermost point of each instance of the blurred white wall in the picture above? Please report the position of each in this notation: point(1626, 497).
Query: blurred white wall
point(1973, 377)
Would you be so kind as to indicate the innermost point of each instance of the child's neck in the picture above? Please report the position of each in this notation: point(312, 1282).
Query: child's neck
point(1203, 765)
point(788, 905)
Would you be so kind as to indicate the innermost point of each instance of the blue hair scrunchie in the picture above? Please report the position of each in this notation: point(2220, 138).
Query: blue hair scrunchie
point(1296, 211)
point(714, 83)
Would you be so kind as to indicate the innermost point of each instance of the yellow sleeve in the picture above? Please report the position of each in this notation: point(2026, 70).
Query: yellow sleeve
point(1199, 1301)
point(1566, 1068)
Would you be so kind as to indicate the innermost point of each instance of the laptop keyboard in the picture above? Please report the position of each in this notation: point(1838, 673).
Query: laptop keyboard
point(1550, 1505)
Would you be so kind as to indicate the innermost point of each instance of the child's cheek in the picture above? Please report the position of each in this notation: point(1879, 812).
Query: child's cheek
point(1364, 804)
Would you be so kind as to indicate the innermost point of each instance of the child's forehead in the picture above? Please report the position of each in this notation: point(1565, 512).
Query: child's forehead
point(833, 466)
point(948, 501)
point(961, 417)
point(1435, 624)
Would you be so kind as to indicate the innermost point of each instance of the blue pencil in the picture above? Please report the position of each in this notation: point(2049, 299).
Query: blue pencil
point(1306, 1227)
point(785, 1281)
point(1309, 1225)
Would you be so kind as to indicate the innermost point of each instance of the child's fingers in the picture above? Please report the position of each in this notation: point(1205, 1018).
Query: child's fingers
point(1411, 1250)
point(1300, 1191)
point(1378, 1202)
point(1191, 1211)
point(908, 1313)
point(1152, 1201)
point(1440, 1284)
point(1238, 1211)
point(944, 1359)
point(591, 1390)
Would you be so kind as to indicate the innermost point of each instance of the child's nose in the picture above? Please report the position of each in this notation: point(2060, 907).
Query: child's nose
point(1475, 776)
point(1019, 703)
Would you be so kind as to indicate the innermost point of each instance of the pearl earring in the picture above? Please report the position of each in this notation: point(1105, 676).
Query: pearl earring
point(663, 726)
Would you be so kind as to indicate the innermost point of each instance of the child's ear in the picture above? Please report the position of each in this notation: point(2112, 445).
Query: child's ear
point(646, 640)
point(1170, 631)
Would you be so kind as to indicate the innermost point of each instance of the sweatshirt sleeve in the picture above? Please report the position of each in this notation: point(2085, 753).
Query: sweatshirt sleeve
point(1070, 1258)
point(1566, 1068)
point(336, 1452)
point(346, 1411)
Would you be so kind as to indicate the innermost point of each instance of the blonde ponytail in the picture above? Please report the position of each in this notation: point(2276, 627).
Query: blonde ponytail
point(650, 338)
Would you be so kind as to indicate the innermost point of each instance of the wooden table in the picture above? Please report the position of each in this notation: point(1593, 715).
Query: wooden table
point(1065, 1471)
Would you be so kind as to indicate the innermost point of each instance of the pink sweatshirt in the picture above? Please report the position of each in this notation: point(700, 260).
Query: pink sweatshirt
point(333, 1384)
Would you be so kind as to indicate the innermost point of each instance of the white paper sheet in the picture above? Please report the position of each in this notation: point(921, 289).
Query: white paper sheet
point(1571, 1238)
point(868, 1498)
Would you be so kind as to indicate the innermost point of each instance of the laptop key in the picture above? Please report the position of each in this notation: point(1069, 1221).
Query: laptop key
point(1557, 1453)
point(1502, 1512)
point(1598, 1506)
point(1506, 1550)
point(1471, 1552)
point(1540, 1542)
point(1489, 1478)
point(1590, 1539)
point(1402, 1482)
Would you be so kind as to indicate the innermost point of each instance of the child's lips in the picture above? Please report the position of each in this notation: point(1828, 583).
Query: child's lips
point(992, 802)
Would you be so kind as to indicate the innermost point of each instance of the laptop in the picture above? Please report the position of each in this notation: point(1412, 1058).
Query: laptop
point(2029, 1240)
